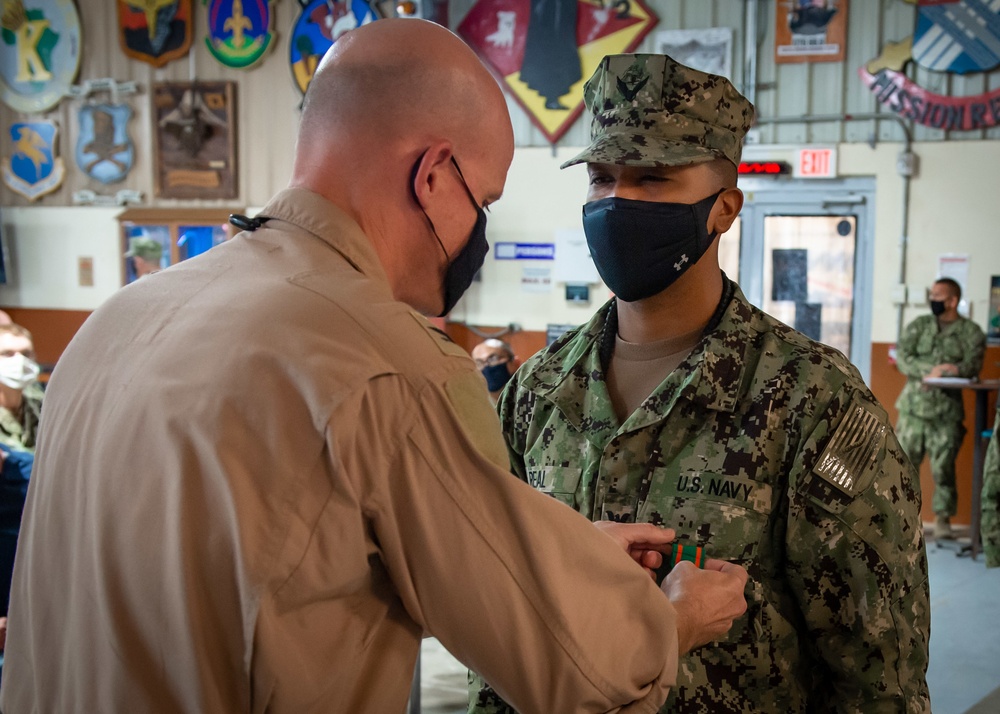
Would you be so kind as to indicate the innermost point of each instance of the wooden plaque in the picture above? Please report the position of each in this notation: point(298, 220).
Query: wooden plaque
point(195, 139)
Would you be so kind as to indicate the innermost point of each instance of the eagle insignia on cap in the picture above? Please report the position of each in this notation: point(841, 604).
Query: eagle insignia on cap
point(628, 92)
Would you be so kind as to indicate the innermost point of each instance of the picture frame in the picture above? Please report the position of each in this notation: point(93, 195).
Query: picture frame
point(709, 50)
point(194, 130)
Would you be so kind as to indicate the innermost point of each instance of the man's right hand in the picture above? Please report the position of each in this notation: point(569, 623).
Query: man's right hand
point(707, 600)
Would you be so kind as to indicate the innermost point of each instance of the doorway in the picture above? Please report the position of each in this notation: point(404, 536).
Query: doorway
point(806, 250)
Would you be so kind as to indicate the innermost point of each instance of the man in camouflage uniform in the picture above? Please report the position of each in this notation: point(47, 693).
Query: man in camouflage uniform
point(990, 524)
point(20, 393)
point(681, 404)
point(942, 344)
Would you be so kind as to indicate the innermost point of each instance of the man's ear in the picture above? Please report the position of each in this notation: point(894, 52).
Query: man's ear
point(727, 207)
point(427, 172)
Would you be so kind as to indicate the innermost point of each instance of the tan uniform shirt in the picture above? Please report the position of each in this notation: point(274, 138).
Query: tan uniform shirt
point(260, 480)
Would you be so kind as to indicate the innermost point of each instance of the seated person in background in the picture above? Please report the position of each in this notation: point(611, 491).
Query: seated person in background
point(20, 392)
point(146, 255)
point(496, 360)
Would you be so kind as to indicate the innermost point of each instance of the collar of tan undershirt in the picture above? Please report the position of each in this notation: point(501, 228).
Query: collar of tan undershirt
point(636, 369)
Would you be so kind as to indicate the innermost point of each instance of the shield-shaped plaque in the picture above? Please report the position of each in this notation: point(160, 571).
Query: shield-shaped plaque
point(154, 31)
point(545, 50)
point(239, 31)
point(39, 52)
point(104, 150)
point(318, 26)
point(33, 168)
point(957, 36)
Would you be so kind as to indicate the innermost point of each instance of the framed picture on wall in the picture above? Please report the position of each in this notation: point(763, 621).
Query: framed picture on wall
point(194, 129)
point(710, 50)
point(810, 31)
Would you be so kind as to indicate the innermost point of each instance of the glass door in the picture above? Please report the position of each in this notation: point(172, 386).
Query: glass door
point(806, 253)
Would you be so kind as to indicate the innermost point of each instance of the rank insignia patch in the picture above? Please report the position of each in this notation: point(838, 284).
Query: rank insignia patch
point(33, 168)
point(154, 31)
point(239, 31)
point(39, 52)
point(104, 150)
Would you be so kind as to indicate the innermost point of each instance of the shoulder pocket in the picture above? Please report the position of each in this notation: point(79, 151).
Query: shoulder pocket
point(468, 398)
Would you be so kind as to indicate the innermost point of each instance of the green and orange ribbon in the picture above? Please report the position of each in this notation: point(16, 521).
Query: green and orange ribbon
point(692, 553)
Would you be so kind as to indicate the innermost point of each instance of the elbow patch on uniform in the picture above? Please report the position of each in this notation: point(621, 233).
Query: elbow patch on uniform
point(470, 401)
point(849, 463)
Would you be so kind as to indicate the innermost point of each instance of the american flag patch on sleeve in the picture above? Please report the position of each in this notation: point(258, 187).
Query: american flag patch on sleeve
point(852, 450)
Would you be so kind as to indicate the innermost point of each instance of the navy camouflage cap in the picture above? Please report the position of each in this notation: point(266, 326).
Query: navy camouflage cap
point(649, 110)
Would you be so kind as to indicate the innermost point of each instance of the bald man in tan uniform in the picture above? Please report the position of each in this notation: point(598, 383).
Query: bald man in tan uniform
point(264, 476)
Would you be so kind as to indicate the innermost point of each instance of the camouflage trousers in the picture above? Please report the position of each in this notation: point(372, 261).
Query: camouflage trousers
point(990, 525)
point(940, 441)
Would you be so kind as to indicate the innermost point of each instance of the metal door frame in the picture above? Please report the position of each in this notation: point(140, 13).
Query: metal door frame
point(833, 197)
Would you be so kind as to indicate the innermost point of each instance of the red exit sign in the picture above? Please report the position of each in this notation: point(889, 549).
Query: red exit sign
point(817, 163)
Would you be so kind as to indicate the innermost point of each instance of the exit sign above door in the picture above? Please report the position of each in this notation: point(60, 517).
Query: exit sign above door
point(816, 163)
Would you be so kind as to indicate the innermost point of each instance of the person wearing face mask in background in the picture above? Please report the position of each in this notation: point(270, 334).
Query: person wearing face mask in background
point(497, 362)
point(184, 550)
point(20, 392)
point(931, 419)
point(682, 403)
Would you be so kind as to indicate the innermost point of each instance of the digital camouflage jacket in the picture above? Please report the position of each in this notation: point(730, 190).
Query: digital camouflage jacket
point(21, 432)
point(767, 449)
point(925, 345)
point(990, 523)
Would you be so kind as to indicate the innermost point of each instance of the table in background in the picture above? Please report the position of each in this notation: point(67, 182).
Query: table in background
point(982, 388)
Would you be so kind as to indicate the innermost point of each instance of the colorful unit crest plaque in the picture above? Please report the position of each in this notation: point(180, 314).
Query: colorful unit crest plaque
point(239, 31)
point(955, 36)
point(154, 31)
point(33, 168)
point(317, 28)
point(39, 52)
point(104, 150)
point(545, 50)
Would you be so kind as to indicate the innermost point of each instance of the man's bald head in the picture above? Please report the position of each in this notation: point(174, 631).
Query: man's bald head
point(398, 80)
point(405, 130)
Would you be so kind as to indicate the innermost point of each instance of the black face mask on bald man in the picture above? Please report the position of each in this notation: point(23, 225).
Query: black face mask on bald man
point(464, 266)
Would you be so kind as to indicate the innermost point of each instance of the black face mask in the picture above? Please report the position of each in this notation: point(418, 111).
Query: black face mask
point(937, 307)
point(642, 247)
point(497, 375)
point(464, 266)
